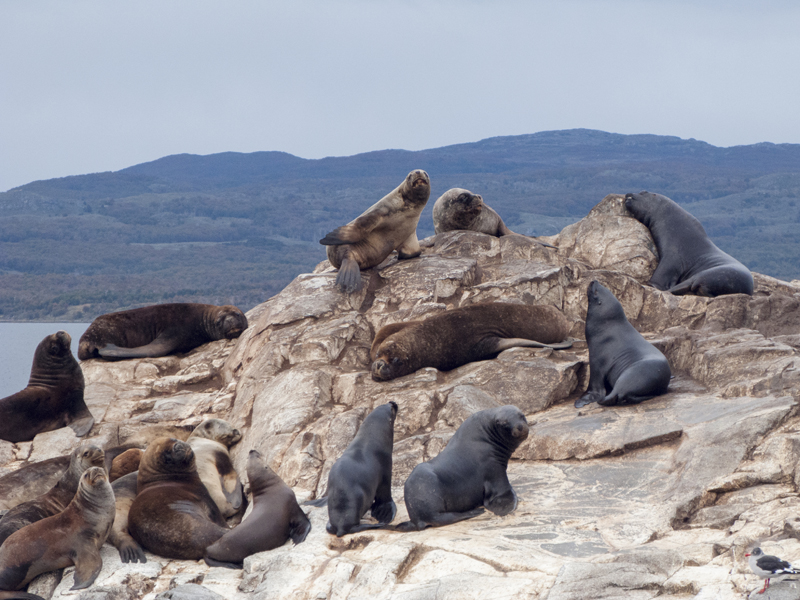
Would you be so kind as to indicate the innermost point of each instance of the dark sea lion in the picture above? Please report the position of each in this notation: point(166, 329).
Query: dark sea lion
point(119, 536)
point(388, 225)
point(159, 330)
point(210, 442)
point(276, 517)
point(361, 479)
point(689, 262)
point(53, 398)
point(72, 537)
point(173, 514)
point(57, 498)
point(624, 368)
point(460, 209)
point(463, 335)
point(469, 474)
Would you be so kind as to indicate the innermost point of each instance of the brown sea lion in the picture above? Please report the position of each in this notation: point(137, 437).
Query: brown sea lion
point(460, 209)
point(388, 225)
point(462, 335)
point(469, 474)
point(159, 330)
point(275, 518)
point(53, 398)
point(72, 537)
point(31, 481)
point(210, 442)
point(119, 536)
point(173, 514)
point(57, 498)
point(124, 464)
point(689, 262)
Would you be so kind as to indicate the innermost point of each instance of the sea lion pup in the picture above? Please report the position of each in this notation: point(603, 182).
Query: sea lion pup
point(624, 368)
point(460, 209)
point(119, 536)
point(388, 225)
point(159, 330)
point(53, 398)
point(173, 515)
point(469, 474)
point(210, 442)
point(72, 537)
point(361, 479)
point(463, 335)
point(689, 262)
point(276, 517)
point(58, 498)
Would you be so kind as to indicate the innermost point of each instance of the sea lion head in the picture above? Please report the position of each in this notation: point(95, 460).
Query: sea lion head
point(166, 456)
point(508, 427)
point(54, 347)
point(229, 322)
point(87, 456)
point(95, 491)
point(602, 302)
point(391, 361)
point(416, 188)
point(219, 431)
point(462, 207)
point(259, 474)
point(643, 205)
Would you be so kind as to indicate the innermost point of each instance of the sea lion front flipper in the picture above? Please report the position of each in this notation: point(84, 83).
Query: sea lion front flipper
point(87, 566)
point(506, 343)
point(80, 420)
point(299, 526)
point(129, 550)
point(383, 512)
point(499, 497)
point(232, 489)
point(161, 346)
point(409, 248)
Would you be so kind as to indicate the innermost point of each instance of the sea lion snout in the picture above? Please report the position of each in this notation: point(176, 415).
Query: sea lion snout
point(520, 430)
point(94, 476)
point(381, 371)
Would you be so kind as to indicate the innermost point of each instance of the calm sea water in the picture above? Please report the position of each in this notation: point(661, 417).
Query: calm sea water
point(18, 342)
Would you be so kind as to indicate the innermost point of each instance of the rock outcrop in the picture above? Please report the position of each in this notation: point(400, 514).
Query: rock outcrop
point(660, 500)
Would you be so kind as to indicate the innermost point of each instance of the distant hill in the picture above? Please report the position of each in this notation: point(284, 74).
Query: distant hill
point(236, 228)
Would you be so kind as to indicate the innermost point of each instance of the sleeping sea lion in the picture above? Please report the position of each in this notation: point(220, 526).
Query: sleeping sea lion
point(53, 398)
point(388, 225)
point(173, 515)
point(276, 517)
point(361, 479)
point(58, 498)
point(456, 337)
point(460, 209)
point(689, 262)
point(159, 330)
point(624, 368)
point(72, 537)
point(469, 474)
point(210, 442)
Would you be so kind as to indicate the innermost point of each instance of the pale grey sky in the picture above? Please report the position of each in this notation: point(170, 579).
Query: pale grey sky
point(98, 85)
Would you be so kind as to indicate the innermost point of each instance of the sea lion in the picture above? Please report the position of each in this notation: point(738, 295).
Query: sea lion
point(57, 498)
point(689, 262)
point(31, 481)
point(159, 330)
point(460, 209)
point(469, 474)
point(72, 537)
point(388, 225)
point(275, 518)
point(361, 479)
point(173, 515)
point(126, 463)
point(456, 337)
point(210, 442)
point(119, 536)
point(53, 398)
point(624, 368)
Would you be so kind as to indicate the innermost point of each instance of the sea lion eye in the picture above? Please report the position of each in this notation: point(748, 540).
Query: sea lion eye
point(395, 361)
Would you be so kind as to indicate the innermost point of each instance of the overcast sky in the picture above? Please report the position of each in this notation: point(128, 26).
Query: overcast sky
point(98, 85)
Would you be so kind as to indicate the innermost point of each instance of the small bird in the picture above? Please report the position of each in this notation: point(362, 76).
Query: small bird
point(769, 567)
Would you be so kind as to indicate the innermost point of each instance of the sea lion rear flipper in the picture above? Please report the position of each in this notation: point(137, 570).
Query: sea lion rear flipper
point(349, 277)
point(588, 398)
point(449, 518)
point(506, 343)
point(160, 346)
point(218, 563)
point(354, 232)
point(323, 501)
point(87, 566)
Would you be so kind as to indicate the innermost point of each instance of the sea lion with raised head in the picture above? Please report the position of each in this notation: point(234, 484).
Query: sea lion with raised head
point(361, 479)
point(57, 498)
point(159, 330)
point(469, 474)
point(72, 537)
point(173, 514)
point(53, 398)
point(275, 518)
point(689, 262)
point(456, 337)
point(624, 368)
point(210, 442)
point(389, 224)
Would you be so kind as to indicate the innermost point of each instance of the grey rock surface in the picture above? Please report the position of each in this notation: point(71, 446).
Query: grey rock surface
point(660, 499)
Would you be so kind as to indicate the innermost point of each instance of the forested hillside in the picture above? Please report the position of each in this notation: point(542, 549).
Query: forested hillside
point(236, 228)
